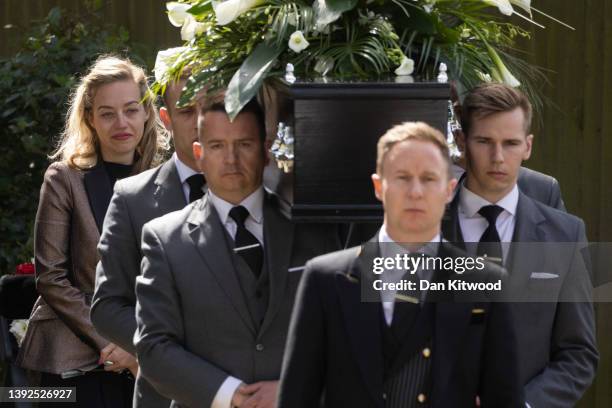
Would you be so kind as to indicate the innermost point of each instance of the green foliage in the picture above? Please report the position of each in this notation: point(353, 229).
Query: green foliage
point(34, 88)
point(352, 39)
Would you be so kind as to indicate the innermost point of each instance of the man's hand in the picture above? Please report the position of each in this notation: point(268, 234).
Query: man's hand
point(120, 358)
point(239, 396)
point(262, 394)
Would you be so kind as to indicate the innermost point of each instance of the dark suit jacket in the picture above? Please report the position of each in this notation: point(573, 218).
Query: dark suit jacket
point(557, 350)
point(334, 349)
point(72, 205)
point(136, 201)
point(541, 187)
point(194, 327)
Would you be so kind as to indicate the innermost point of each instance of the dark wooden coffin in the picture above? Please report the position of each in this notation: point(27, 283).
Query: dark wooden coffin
point(336, 126)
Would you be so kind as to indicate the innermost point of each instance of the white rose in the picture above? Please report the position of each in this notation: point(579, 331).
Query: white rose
point(297, 42)
point(19, 328)
point(191, 28)
point(177, 12)
point(406, 67)
point(227, 11)
point(163, 61)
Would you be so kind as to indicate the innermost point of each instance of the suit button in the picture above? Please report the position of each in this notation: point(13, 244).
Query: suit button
point(421, 398)
point(259, 347)
point(426, 352)
point(384, 395)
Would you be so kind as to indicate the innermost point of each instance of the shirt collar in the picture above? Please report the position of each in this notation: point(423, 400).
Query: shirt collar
point(470, 203)
point(389, 247)
point(253, 203)
point(184, 171)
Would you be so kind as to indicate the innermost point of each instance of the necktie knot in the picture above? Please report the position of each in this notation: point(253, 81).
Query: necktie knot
point(490, 212)
point(239, 214)
point(195, 182)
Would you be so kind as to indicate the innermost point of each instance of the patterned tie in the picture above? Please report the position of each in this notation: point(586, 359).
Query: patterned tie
point(246, 245)
point(196, 182)
point(490, 243)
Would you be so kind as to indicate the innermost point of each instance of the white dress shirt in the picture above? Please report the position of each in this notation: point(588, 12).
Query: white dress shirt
point(254, 223)
point(389, 249)
point(473, 225)
point(253, 203)
point(184, 172)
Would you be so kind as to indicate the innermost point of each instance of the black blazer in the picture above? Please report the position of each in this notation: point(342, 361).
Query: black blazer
point(333, 356)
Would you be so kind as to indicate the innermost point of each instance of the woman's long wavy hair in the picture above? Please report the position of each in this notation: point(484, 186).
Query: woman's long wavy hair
point(79, 146)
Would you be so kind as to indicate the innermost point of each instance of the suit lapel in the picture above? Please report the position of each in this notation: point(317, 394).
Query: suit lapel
point(278, 237)
point(363, 319)
point(451, 229)
point(208, 235)
point(99, 192)
point(526, 229)
point(168, 195)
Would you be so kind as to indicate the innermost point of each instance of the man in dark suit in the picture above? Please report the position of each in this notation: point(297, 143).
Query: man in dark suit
point(219, 277)
point(137, 200)
point(554, 319)
point(351, 346)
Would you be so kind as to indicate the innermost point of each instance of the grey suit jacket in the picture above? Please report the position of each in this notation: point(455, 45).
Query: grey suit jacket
point(194, 327)
point(136, 200)
point(557, 348)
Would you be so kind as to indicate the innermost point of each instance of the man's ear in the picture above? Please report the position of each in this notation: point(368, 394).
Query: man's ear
point(165, 117)
point(452, 184)
point(198, 151)
point(377, 183)
point(529, 141)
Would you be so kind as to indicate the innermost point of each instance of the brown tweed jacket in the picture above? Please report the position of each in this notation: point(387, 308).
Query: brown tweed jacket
point(60, 335)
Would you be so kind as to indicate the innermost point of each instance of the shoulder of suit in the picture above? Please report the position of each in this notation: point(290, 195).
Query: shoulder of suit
point(560, 218)
point(133, 185)
point(536, 175)
point(61, 172)
point(172, 221)
point(338, 261)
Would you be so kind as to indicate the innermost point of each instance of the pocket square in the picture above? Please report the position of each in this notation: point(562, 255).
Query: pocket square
point(543, 275)
point(296, 268)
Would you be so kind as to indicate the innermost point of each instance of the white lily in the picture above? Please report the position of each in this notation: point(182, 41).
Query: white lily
point(177, 12)
point(227, 11)
point(501, 73)
point(406, 67)
point(297, 42)
point(504, 6)
point(163, 61)
point(524, 4)
point(191, 28)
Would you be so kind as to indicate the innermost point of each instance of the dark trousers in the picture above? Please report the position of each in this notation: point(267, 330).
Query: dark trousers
point(93, 390)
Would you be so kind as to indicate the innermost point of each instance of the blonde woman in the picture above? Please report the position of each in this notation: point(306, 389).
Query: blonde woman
point(111, 132)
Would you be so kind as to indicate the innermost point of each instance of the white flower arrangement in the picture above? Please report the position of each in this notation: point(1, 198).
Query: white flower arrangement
point(348, 39)
point(18, 328)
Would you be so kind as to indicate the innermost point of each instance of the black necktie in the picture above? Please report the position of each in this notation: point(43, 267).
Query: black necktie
point(490, 243)
point(246, 245)
point(196, 182)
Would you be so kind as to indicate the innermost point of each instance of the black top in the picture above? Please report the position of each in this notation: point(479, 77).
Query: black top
point(117, 171)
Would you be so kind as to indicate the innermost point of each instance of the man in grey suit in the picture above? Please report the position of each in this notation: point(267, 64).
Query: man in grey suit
point(137, 200)
point(554, 320)
point(219, 277)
